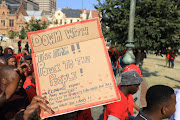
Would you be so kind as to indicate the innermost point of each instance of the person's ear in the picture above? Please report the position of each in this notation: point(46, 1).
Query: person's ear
point(4, 81)
point(164, 110)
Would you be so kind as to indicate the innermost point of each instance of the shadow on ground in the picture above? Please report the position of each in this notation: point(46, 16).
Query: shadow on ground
point(162, 65)
point(146, 73)
point(176, 87)
point(170, 78)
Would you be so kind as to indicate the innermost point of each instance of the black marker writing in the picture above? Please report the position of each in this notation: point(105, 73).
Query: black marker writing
point(82, 60)
point(73, 32)
point(43, 56)
point(68, 64)
point(46, 39)
point(43, 71)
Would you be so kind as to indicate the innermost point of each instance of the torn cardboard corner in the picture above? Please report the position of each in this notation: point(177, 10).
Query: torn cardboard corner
point(72, 67)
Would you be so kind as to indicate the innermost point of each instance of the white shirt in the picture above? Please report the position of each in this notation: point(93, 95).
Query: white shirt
point(176, 115)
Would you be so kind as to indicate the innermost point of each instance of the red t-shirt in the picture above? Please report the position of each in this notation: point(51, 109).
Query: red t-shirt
point(20, 54)
point(130, 104)
point(168, 56)
point(30, 89)
point(27, 72)
point(117, 109)
point(31, 92)
point(16, 56)
point(172, 56)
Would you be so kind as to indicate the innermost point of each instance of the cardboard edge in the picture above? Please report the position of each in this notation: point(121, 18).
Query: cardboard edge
point(110, 67)
point(53, 28)
point(36, 75)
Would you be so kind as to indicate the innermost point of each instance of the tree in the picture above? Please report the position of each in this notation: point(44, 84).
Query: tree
point(44, 25)
point(35, 25)
point(156, 22)
point(23, 34)
point(13, 34)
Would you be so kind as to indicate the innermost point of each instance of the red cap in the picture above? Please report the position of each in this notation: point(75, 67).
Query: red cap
point(132, 67)
point(20, 39)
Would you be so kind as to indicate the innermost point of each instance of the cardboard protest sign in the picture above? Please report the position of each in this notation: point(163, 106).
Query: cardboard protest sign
point(72, 67)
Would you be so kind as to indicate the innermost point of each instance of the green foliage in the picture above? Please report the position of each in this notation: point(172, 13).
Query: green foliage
point(56, 22)
point(44, 25)
point(157, 22)
point(35, 25)
point(23, 34)
point(13, 34)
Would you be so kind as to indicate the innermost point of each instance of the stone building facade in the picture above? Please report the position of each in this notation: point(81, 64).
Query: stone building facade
point(68, 15)
point(15, 19)
point(46, 5)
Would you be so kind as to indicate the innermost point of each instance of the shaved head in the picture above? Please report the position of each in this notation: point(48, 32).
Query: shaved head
point(3, 62)
point(7, 72)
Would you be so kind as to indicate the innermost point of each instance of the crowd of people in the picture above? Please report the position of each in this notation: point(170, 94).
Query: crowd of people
point(19, 101)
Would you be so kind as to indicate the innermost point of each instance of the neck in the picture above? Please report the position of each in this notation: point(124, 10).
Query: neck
point(153, 114)
point(124, 90)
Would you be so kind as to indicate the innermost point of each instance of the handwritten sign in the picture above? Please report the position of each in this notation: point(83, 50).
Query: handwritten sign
point(72, 67)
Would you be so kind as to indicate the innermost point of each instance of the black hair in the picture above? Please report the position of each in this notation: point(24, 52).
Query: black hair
point(158, 95)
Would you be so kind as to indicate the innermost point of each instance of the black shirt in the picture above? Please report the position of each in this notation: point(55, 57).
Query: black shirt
point(142, 116)
point(17, 102)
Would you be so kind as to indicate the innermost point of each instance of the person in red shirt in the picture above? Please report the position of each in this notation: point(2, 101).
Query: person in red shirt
point(11, 60)
point(19, 45)
point(171, 58)
point(22, 54)
point(130, 82)
point(167, 58)
point(30, 86)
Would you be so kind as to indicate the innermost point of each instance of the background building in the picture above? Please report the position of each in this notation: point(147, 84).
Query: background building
point(14, 18)
point(46, 5)
point(68, 15)
point(28, 4)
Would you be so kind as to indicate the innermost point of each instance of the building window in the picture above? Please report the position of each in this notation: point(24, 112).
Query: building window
point(65, 22)
point(19, 27)
point(11, 23)
point(59, 14)
point(77, 20)
point(60, 21)
point(2, 22)
point(14, 10)
point(3, 13)
point(71, 20)
point(56, 22)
